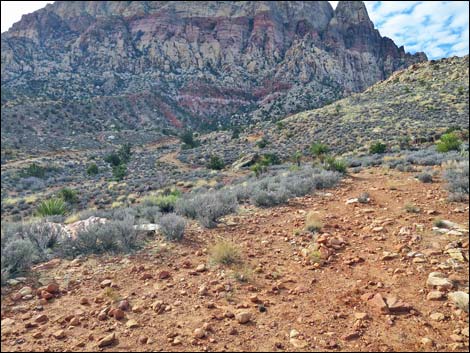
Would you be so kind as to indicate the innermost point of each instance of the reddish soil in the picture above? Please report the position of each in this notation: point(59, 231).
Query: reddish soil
point(321, 302)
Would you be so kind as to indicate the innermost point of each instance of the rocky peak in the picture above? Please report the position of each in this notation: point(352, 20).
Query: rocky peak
point(198, 63)
point(353, 13)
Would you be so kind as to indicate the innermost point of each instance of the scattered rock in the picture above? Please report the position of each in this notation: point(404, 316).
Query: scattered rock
point(460, 299)
point(243, 317)
point(107, 340)
point(132, 323)
point(435, 295)
point(59, 334)
point(437, 316)
point(438, 279)
point(199, 333)
point(106, 283)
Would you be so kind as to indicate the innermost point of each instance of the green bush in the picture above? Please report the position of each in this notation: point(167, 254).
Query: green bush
point(318, 150)
point(52, 207)
point(216, 163)
point(297, 157)
point(68, 195)
point(92, 169)
point(262, 143)
point(34, 170)
point(449, 142)
point(124, 153)
point(377, 148)
point(119, 172)
point(270, 159)
point(113, 159)
point(258, 169)
point(166, 203)
point(336, 165)
point(187, 138)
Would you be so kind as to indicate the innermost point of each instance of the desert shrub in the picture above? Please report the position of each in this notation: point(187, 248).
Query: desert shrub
point(424, 177)
point(456, 175)
point(270, 159)
point(296, 157)
point(313, 223)
point(448, 142)
point(270, 197)
point(186, 206)
point(31, 183)
point(17, 255)
point(262, 143)
point(44, 236)
point(208, 207)
point(25, 243)
point(113, 236)
point(68, 195)
point(148, 214)
point(92, 169)
point(225, 253)
point(216, 163)
point(258, 169)
point(187, 138)
point(119, 172)
point(172, 226)
point(54, 206)
point(318, 150)
point(213, 205)
point(440, 223)
point(337, 165)
point(124, 152)
point(166, 203)
point(34, 170)
point(364, 198)
point(377, 148)
point(113, 159)
point(410, 208)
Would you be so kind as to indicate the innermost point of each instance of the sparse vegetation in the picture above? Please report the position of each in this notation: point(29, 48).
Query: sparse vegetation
point(457, 176)
point(216, 163)
point(425, 177)
point(51, 207)
point(449, 142)
point(172, 227)
point(364, 198)
point(313, 223)
point(337, 165)
point(319, 150)
point(410, 208)
point(187, 138)
point(92, 169)
point(225, 253)
point(378, 148)
point(68, 195)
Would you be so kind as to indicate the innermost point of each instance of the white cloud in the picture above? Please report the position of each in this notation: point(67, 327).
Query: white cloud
point(439, 28)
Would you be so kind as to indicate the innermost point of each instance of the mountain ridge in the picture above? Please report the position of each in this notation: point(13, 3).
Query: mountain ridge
point(202, 65)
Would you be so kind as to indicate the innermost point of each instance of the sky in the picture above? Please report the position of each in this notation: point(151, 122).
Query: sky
point(439, 28)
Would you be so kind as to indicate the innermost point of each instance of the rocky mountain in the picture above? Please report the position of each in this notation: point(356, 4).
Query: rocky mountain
point(78, 67)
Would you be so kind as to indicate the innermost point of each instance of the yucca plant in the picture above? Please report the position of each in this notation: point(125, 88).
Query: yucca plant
point(51, 207)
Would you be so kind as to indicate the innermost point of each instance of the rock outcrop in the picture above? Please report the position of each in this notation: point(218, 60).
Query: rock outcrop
point(147, 64)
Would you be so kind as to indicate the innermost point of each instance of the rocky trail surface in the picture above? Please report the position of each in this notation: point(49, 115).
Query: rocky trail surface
point(384, 280)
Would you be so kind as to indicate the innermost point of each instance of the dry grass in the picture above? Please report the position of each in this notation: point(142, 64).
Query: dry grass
point(313, 223)
point(225, 253)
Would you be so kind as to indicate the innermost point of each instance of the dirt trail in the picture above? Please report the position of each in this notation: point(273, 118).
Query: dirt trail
point(308, 307)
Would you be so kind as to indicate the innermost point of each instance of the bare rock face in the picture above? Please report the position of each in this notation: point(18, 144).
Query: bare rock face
point(174, 64)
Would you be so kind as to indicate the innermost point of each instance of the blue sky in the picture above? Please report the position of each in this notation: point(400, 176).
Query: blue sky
point(439, 28)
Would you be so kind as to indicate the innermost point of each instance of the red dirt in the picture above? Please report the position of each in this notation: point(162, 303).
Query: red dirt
point(320, 302)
